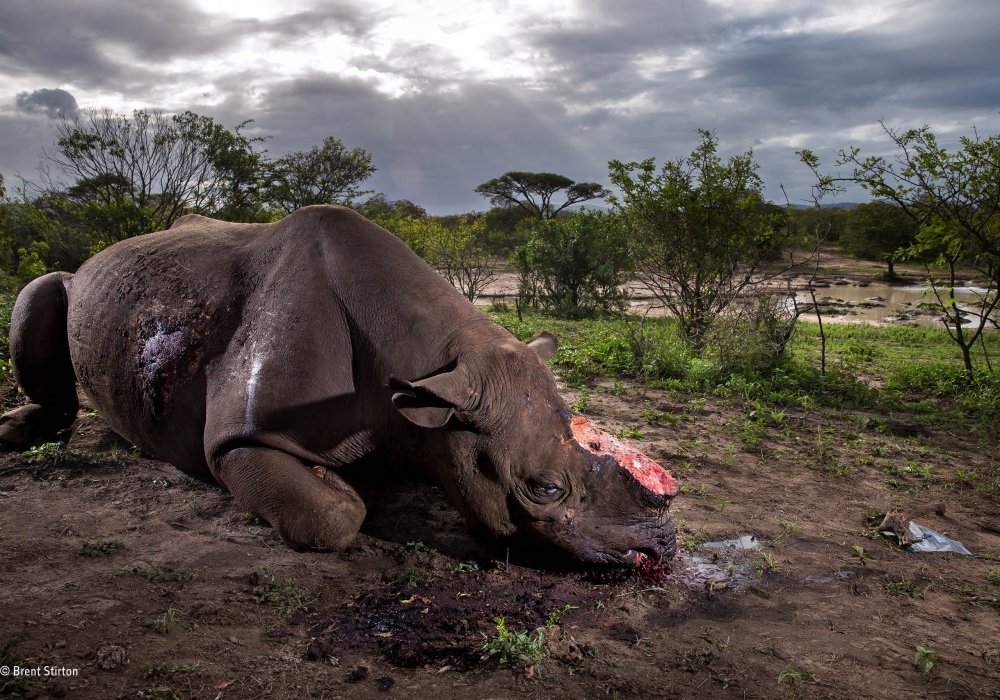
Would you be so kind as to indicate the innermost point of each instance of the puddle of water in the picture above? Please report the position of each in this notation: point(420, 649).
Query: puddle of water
point(741, 542)
point(883, 303)
point(719, 564)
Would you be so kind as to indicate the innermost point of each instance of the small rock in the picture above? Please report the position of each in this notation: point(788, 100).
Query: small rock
point(385, 683)
point(111, 656)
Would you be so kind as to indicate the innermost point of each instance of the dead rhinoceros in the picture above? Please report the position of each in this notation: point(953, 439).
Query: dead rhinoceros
point(268, 356)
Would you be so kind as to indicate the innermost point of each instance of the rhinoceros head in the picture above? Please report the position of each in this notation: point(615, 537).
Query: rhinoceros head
point(524, 469)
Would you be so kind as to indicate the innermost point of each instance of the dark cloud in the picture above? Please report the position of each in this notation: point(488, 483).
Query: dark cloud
point(54, 104)
point(618, 80)
point(433, 147)
point(100, 43)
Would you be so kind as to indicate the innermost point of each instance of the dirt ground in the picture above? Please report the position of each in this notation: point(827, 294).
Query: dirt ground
point(147, 584)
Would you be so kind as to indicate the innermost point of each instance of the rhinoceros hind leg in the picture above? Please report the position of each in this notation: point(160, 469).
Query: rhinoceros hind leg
point(311, 509)
point(39, 351)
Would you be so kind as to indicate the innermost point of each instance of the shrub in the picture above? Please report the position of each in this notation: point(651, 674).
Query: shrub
point(574, 265)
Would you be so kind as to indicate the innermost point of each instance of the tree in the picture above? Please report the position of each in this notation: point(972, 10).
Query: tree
point(702, 231)
point(455, 249)
point(163, 165)
point(879, 231)
point(954, 199)
point(458, 251)
point(533, 192)
point(327, 174)
point(379, 206)
point(576, 264)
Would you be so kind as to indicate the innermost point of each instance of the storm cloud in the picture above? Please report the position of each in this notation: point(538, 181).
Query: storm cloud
point(449, 96)
point(53, 103)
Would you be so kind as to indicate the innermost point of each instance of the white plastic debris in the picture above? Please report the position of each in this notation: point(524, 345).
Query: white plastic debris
point(928, 540)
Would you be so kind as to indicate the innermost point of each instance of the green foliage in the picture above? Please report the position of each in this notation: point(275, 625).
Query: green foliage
point(130, 174)
point(924, 659)
point(157, 166)
point(455, 248)
point(878, 231)
point(327, 174)
point(533, 192)
point(59, 455)
point(6, 309)
point(954, 199)
point(803, 224)
point(30, 264)
point(576, 264)
point(163, 623)
point(514, 647)
point(554, 616)
point(702, 231)
point(283, 595)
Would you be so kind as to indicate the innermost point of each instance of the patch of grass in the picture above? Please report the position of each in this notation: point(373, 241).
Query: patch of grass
point(465, 567)
point(513, 647)
point(789, 529)
point(901, 586)
point(700, 492)
point(419, 547)
point(283, 595)
point(101, 547)
point(163, 623)
point(160, 692)
point(766, 563)
point(57, 454)
point(582, 403)
point(629, 432)
point(656, 417)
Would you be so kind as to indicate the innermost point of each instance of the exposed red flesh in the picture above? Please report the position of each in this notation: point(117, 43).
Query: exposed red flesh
point(645, 470)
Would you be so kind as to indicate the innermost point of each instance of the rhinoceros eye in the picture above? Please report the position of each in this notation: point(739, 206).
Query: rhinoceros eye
point(544, 491)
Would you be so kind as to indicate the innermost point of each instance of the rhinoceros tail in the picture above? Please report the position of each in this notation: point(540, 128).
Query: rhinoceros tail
point(39, 351)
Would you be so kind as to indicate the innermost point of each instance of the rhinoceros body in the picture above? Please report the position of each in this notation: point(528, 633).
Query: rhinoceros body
point(269, 357)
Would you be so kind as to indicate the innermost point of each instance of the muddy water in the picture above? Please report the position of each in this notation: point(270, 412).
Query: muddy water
point(883, 303)
point(847, 302)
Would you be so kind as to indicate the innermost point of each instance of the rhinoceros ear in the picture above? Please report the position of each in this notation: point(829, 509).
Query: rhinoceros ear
point(430, 402)
point(545, 344)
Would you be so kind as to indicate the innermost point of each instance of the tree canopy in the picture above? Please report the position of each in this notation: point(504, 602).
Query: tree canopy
point(327, 174)
point(878, 231)
point(954, 198)
point(702, 230)
point(534, 192)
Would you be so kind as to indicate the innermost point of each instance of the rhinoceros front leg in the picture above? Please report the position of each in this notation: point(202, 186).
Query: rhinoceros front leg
point(311, 508)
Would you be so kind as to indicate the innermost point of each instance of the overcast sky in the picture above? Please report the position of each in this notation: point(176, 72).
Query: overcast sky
point(446, 94)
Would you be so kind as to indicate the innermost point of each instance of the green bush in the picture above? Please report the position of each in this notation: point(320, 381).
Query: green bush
point(574, 265)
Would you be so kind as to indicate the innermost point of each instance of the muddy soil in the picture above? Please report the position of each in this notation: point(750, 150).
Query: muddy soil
point(144, 583)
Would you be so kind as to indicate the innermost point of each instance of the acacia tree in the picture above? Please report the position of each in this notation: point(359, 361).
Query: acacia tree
point(327, 174)
point(533, 192)
point(702, 231)
point(879, 230)
point(954, 198)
